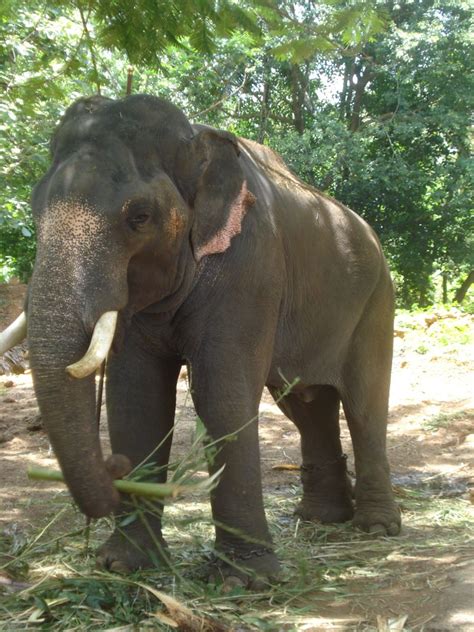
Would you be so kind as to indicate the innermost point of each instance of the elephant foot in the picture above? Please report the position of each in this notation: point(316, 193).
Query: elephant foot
point(131, 549)
point(324, 510)
point(253, 570)
point(327, 493)
point(379, 520)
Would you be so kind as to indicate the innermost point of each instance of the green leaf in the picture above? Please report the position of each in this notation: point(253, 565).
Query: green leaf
point(300, 50)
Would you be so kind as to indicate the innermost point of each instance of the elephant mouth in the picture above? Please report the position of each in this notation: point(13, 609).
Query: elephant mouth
point(185, 279)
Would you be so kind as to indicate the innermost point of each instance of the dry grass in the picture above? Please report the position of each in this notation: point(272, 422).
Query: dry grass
point(54, 585)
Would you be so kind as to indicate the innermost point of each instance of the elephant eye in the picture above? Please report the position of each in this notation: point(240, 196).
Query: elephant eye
point(136, 221)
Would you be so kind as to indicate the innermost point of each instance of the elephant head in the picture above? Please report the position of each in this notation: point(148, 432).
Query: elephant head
point(134, 199)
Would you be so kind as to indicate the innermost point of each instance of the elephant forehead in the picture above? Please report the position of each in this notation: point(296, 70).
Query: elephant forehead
point(75, 224)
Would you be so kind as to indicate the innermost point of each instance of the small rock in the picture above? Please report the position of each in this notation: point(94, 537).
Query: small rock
point(8, 384)
point(9, 400)
point(5, 437)
point(34, 424)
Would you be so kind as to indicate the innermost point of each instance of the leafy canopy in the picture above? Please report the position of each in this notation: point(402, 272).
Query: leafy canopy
point(368, 100)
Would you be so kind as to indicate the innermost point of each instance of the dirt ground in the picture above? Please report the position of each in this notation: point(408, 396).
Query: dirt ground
point(430, 446)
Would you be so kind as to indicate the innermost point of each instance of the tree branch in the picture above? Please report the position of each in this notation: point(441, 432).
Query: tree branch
point(464, 287)
point(90, 44)
point(222, 99)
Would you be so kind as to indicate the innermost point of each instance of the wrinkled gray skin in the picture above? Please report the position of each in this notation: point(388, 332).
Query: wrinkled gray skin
point(142, 213)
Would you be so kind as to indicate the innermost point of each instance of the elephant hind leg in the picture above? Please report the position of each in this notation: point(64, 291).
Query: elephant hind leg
point(376, 511)
point(327, 491)
point(365, 394)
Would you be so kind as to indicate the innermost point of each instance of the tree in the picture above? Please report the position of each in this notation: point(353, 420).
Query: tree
point(51, 53)
point(397, 150)
point(369, 101)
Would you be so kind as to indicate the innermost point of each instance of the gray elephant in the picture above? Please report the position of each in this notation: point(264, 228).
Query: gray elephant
point(173, 244)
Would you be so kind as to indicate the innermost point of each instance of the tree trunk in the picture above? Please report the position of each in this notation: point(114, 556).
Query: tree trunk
point(362, 82)
point(298, 89)
point(345, 89)
point(462, 290)
point(264, 109)
point(445, 287)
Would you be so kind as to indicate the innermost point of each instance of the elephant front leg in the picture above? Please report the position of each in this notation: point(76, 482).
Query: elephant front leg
point(226, 400)
point(141, 399)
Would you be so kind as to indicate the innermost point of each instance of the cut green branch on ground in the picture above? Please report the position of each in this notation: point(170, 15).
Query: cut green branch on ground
point(163, 491)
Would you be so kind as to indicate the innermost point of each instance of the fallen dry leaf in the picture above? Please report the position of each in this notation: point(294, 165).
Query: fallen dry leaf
point(391, 625)
point(182, 616)
point(286, 466)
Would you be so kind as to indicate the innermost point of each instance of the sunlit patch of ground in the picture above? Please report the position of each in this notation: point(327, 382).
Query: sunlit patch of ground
point(334, 577)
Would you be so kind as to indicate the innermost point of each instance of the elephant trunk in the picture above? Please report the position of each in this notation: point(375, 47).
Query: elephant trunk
point(57, 338)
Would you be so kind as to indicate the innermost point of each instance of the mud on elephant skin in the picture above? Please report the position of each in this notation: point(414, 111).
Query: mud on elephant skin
point(160, 243)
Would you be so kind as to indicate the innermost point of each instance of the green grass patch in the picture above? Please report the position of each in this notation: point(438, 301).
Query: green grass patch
point(451, 333)
point(443, 420)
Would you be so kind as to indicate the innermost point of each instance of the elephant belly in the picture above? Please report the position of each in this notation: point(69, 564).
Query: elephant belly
point(311, 358)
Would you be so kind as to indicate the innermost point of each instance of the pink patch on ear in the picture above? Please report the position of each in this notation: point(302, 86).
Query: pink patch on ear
point(233, 226)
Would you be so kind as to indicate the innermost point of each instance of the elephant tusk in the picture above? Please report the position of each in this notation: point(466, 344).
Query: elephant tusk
point(13, 334)
point(99, 347)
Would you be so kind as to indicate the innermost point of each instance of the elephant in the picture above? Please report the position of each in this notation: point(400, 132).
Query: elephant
point(162, 243)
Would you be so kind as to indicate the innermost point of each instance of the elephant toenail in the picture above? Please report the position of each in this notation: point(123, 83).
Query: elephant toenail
point(101, 563)
point(119, 567)
point(393, 529)
point(258, 585)
point(377, 529)
point(232, 582)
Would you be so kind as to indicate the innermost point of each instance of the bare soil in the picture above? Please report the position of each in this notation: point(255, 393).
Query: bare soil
point(430, 446)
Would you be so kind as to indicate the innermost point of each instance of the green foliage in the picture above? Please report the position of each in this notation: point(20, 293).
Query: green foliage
point(396, 149)
point(369, 101)
point(146, 28)
point(307, 29)
point(45, 62)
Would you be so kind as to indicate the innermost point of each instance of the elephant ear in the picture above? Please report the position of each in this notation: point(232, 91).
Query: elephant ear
point(211, 179)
